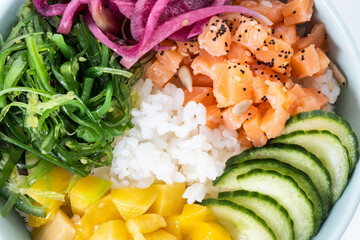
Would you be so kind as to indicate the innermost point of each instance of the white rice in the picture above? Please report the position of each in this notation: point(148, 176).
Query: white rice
point(170, 143)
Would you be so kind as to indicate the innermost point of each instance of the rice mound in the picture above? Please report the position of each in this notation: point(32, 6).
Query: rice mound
point(170, 143)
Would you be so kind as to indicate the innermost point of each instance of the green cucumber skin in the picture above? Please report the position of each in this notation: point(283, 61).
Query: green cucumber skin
point(337, 187)
point(238, 196)
point(237, 208)
point(315, 169)
point(301, 178)
point(330, 117)
point(307, 212)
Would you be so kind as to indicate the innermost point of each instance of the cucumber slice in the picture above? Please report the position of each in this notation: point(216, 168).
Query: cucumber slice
point(267, 208)
point(296, 156)
point(228, 181)
point(320, 120)
point(241, 222)
point(287, 193)
point(329, 149)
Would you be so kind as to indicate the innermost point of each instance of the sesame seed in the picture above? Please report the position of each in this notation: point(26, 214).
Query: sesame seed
point(294, 12)
point(185, 23)
point(161, 53)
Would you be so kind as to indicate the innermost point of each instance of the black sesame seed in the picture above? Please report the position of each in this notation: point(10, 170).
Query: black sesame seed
point(208, 94)
point(244, 89)
point(161, 53)
point(294, 12)
point(303, 50)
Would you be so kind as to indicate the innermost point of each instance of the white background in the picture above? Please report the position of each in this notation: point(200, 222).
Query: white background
point(349, 12)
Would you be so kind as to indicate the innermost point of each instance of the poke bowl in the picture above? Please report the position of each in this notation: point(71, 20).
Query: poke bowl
point(342, 51)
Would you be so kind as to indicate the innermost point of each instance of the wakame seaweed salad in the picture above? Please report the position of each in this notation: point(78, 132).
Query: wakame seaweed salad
point(63, 98)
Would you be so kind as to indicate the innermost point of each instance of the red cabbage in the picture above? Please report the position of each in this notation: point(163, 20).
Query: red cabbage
point(103, 18)
point(69, 14)
point(46, 10)
point(126, 7)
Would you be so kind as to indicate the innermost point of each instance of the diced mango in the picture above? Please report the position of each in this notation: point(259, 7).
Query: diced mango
point(160, 235)
point(139, 236)
point(132, 202)
point(49, 193)
point(145, 223)
point(194, 213)
point(59, 228)
point(111, 230)
point(209, 231)
point(56, 181)
point(86, 192)
point(173, 226)
point(50, 210)
point(169, 201)
point(98, 213)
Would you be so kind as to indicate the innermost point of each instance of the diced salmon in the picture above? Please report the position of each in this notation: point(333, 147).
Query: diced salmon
point(297, 11)
point(254, 132)
point(308, 99)
point(276, 94)
point(200, 66)
point(189, 47)
point(216, 37)
point(202, 95)
point(251, 34)
point(233, 83)
point(305, 63)
point(171, 59)
point(267, 73)
point(272, 9)
point(159, 74)
point(240, 54)
point(273, 122)
point(233, 21)
point(276, 54)
point(201, 80)
point(213, 116)
point(288, 33)
point(263, 107)
point(324, 61)
point(259, 89)
point(235, 122)
point(242, 138)
point(211, 59)
point(316, 37)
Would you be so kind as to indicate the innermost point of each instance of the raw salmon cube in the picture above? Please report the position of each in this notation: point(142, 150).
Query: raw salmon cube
point(297, 11)
point(159, 74)
point(216, 37)
point(305, 63)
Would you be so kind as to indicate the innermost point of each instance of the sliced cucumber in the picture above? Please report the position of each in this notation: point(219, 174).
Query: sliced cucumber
point(287, 193)
point(295, 156)
point(228, 181)
point(267, 208)
point(320, 120)
point(329, 149)
point(241, 222)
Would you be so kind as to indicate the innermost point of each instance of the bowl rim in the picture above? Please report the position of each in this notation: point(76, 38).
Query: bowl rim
point(335, 225)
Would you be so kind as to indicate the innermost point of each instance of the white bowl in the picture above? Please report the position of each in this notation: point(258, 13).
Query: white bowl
point(342, 51)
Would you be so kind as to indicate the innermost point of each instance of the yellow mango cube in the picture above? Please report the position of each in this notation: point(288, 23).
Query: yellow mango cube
point(49, 192)
point(132, 202)
point(169, 201)
point(209, 231)
point(139, 236)
point(145, 223)
point(98, 213)
point(50, 211)
point(192, 214)
point(86, 192)
point(173, 226)
point(59, 228)
point(111, 230)
point(160, 235)
point(56, 181)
